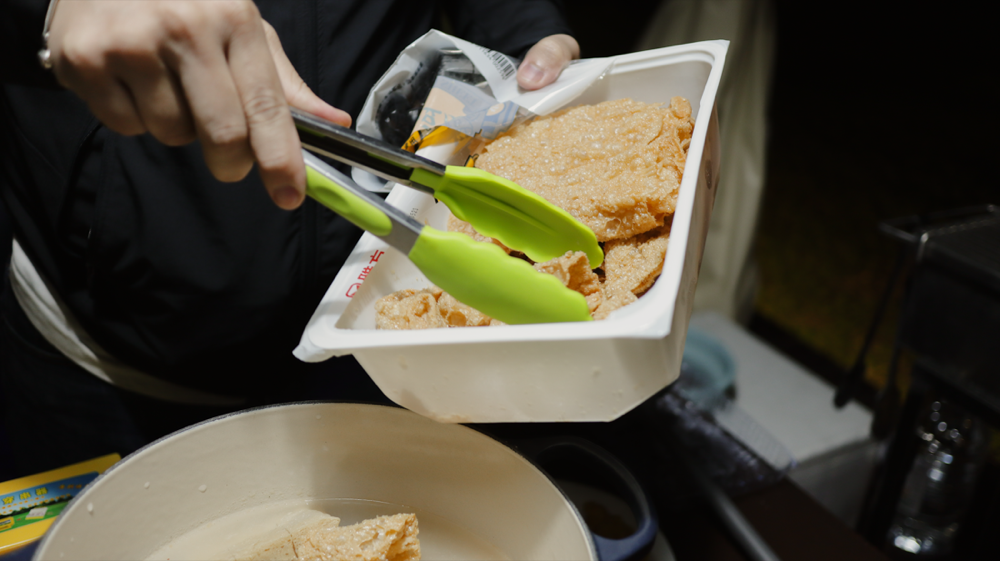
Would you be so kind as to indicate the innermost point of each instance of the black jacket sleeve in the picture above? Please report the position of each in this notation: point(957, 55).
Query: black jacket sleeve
point(508, 26)
point(21, 23)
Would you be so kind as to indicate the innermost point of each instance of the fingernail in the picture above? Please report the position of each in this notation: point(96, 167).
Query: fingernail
point(344, 118)
point(287, 198)
point(532, 73)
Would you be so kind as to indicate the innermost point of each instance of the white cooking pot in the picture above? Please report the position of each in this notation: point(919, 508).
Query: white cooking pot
point(474, 497)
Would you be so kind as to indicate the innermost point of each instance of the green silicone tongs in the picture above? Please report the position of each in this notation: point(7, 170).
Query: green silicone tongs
point(496, 207)
point(478, 274)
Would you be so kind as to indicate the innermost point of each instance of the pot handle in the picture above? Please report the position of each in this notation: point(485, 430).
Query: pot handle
point(596, 465)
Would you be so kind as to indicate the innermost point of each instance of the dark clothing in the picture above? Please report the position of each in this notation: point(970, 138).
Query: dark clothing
point(202, 283)
point(57, 413)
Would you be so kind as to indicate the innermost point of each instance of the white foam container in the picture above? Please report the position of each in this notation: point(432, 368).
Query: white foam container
point(588, 371)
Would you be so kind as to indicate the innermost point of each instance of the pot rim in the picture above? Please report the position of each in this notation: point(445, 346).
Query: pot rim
point(43, 543)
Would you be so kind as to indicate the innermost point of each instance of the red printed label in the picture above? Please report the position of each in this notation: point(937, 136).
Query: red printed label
point(373, 258)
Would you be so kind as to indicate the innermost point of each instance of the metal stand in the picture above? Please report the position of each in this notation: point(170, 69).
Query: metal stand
point(949, 323)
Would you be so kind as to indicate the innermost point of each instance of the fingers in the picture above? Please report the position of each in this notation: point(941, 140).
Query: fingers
point(217, 113)
point(120, 75)
point(186, 70)
point(164, 110)
point(546, 60)
point(272, 135)
point(214, 71)
point(106, 97)
point(297, 93)
point(79, 64)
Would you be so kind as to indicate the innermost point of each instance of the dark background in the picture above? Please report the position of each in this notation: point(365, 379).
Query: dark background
point(876, 112)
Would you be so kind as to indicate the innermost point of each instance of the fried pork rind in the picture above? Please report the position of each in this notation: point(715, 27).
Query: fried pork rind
point(612, 301)
point(384, 538)
point(457, 314)
point(426, 309)
point(573, 269)
point(616, 166)
point(409, 309)
point(632, 265)
point(461, 226)
point(431, 307)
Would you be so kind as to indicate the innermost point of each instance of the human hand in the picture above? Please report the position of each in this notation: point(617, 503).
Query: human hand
point(546, 60)
point(212, 71)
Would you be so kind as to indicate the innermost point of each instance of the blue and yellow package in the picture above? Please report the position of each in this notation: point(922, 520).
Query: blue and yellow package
point(29, 505)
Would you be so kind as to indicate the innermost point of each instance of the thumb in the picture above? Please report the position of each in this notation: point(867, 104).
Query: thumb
point(546, 60)
point(297, 93)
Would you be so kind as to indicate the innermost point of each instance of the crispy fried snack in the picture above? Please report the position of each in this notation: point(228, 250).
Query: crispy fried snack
point(426, 309)
point(388, 538)
point(457, 314)
point(616, 166)
point(384, 538)
point(409, 309)
point(461, 226)
point(573, 269)
point(431, 307)
point(633, 264)
point(611, 302)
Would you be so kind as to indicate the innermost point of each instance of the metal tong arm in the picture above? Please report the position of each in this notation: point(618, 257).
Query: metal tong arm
point(362, 208)
point(370, 154)
point(479, 274)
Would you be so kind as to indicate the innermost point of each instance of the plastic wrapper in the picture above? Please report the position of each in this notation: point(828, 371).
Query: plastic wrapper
point(440, 80)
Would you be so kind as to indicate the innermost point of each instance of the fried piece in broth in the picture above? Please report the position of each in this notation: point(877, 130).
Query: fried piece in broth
point(616, 166)
point(383, 538)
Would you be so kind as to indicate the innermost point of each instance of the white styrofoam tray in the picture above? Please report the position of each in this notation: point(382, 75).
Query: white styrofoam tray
point(589, 371)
